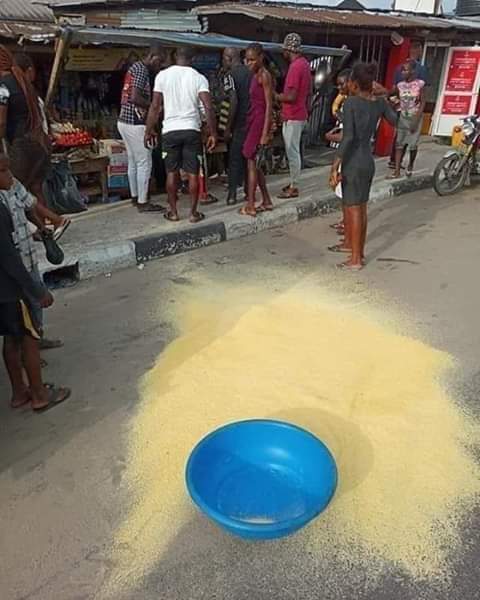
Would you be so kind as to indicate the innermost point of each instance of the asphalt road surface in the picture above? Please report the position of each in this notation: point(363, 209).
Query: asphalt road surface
point(61, 473)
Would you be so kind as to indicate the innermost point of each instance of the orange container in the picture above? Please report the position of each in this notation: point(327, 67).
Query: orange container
point(457, 136)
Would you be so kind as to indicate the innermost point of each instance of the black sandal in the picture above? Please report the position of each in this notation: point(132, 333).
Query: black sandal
point(172, 217)
point(46, 344)
point(150, 208)
point(338, 248)
point(56, 396)
point(197, 217)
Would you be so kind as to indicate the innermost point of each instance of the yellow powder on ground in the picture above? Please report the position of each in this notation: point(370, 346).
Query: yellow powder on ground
point(373, 395)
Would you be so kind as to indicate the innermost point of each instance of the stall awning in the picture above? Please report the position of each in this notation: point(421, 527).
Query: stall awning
point(139, 37)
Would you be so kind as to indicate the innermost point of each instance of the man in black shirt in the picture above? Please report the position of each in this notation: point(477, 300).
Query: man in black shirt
point(237, 87)
point(21, 339)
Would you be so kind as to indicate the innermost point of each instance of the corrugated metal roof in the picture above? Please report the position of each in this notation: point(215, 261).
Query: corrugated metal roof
point(101, 36)
point(148, 18)
point(25, 10)
point(56, 4)
point(42, 32)
point(325, 16)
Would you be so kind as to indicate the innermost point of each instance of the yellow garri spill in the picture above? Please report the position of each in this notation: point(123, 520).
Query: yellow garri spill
point(370, 392)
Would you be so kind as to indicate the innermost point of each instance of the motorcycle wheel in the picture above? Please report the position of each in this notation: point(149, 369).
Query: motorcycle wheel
point(445, 181)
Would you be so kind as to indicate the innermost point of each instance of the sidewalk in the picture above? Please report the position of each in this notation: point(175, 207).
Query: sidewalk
point(109, 238)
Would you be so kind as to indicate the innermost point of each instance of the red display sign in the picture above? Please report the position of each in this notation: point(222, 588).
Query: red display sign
point(456, 105)
point(462, 71)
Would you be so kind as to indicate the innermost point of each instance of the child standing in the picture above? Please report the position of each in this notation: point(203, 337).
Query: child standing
point(21, 335)
point(411, 97)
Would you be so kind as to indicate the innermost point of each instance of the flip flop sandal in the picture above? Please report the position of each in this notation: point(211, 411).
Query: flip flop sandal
point(337, 226)
point(169, 216)
point(46, 344)
point(57, 233)
point(393, 177)
point(287, 195)
point(151, 208)
point(197, 218)
point(339, 249)
point(246, 212)
point(347, 267)
point(56, 396)
point(408, 173)
point(263, 208)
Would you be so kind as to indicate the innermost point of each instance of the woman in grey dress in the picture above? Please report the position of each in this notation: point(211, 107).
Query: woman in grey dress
point(354, 165)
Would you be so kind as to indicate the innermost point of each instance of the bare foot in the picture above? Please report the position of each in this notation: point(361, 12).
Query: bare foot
point(350, 266)
point(48, 397)
point(21, 399)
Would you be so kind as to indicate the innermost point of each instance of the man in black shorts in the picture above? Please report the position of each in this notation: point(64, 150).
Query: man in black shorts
point(21, 337)
point(180, 94)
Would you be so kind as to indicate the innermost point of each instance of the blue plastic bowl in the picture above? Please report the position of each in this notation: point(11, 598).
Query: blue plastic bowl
point(261, 479)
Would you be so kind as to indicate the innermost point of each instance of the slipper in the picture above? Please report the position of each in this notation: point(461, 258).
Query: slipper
point(56, 396)
point(150, 208)
point(288, 194)
point(197, 217)
point(57, 233)
point(247, 212)
point(337, 226)
point(347, 267)
point(339, 249)
point(264, 208)
point(46, 344)
point(170, 216)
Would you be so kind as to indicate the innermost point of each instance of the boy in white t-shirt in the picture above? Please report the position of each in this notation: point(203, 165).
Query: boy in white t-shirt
point(177, 93)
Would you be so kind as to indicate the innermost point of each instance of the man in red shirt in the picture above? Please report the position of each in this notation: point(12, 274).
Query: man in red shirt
point(295, 102)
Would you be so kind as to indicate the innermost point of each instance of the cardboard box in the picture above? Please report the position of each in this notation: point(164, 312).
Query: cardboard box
point(117, 170)
point(116, 152)
point(111, 147)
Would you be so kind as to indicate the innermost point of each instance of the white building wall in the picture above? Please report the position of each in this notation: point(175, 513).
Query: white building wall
point(418, 6)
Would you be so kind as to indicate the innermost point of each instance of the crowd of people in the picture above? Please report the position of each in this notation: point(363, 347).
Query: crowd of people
point(172, 114)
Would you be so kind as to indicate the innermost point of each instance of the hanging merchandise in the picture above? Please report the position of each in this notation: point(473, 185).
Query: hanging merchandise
point(90, 101)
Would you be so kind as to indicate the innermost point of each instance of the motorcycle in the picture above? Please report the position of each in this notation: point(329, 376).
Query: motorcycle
point(454, 170)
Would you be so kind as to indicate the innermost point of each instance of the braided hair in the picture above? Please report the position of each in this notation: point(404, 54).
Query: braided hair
point(8, 64)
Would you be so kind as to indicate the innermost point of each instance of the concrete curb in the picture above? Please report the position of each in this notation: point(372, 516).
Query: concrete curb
point(102, 259)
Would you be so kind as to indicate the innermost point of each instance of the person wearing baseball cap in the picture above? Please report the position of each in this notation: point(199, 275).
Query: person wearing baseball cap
point(295, 101)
